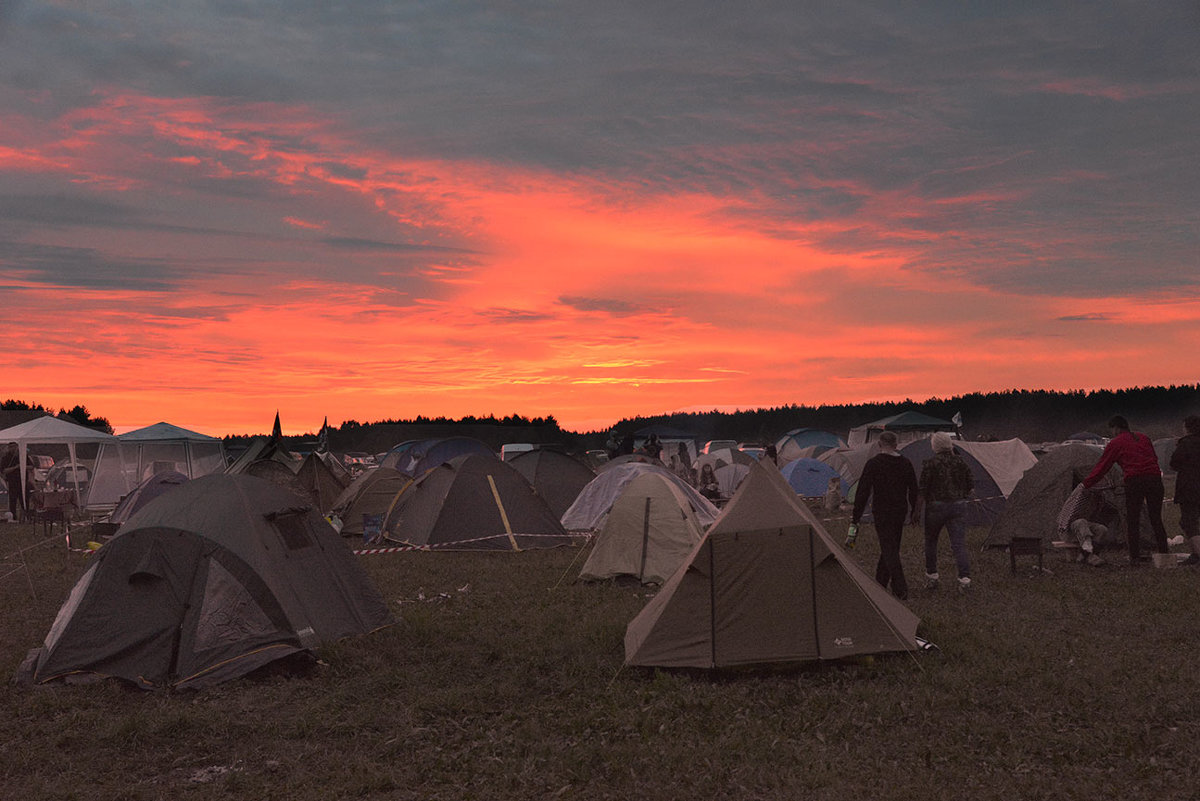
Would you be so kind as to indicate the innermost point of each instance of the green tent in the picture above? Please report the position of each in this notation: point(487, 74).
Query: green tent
point(218, 577)
point(767, 585)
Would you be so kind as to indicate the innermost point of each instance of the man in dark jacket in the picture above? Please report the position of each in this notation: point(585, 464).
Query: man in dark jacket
point(891, 482)
point(1134, 452)
point(1186, 462)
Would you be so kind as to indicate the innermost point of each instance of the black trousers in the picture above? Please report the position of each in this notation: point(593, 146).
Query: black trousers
point(889, 528)
point(1148, 491)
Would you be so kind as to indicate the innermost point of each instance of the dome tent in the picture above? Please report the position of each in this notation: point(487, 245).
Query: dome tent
point(555, 476)
point(218, 577)
point(647, 534)
point(473, 502)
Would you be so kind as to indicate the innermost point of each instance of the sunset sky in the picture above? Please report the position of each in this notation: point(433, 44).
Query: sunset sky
point(210, 211)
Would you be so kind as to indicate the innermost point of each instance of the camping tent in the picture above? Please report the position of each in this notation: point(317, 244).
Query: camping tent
point(801, 442)
point(1033, 506)
point(810, 477)
point(907, 426)
point(767, 584)
point(594, 501)
point(371, 495)
point(729, 478)
point(206, 583)
point(319, 481)
point(995, 474)
point(43, 431)
point(473, 502)
point(157, 484)
point(162, 447)
point(647, 534)
point(415, 457)
point(555, 476)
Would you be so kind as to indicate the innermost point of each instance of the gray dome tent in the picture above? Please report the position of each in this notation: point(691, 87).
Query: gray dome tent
point(218, 577)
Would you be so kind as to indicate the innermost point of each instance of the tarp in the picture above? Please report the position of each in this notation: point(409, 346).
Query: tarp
point(767, 585)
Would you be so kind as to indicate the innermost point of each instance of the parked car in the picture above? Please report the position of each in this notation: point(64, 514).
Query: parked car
point(41, 466)
point(66, 474)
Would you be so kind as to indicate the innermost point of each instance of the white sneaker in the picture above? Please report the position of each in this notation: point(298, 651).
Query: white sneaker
point(964, 584)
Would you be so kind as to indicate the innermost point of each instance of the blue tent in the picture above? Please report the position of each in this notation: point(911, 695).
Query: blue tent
point(810, 477)
point(415, 457)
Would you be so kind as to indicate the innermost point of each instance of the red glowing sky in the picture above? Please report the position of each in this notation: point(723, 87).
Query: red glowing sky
point(591, 241)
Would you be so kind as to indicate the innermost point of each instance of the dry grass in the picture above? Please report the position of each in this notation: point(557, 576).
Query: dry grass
point(505, 682)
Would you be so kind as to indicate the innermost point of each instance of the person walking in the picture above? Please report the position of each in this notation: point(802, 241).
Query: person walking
point(890, 482)
point(946, 483)
point(1134, 452)
point(1185, 461)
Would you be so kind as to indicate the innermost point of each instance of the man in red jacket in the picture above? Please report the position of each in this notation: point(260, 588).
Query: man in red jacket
point(1134, 452)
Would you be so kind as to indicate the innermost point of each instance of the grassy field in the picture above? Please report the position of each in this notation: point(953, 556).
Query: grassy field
point(503, 679)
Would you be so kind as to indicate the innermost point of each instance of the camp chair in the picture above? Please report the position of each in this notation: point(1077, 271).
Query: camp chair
point(50, 507)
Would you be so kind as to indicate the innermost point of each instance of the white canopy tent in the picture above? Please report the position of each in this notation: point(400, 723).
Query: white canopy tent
point(158, 448)
point(52, 431)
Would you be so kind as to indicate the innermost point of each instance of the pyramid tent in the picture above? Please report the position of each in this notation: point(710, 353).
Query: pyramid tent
point(473, 502)
point(767, 585)
point(371, 495)
point(647, 534)
point(319, 481)
point(555, 476)
point(215, 578)
point(588, 511)
point(1033, 506)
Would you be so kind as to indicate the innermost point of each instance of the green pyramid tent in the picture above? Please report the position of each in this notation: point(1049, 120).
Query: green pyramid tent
point(767, 584)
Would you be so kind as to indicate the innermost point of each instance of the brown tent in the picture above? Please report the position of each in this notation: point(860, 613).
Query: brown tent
point(767, 584)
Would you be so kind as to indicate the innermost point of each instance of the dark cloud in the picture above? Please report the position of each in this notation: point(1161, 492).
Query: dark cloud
point(87, 269)
point(617, 308)
point(351, 243)
point(1084, 318)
